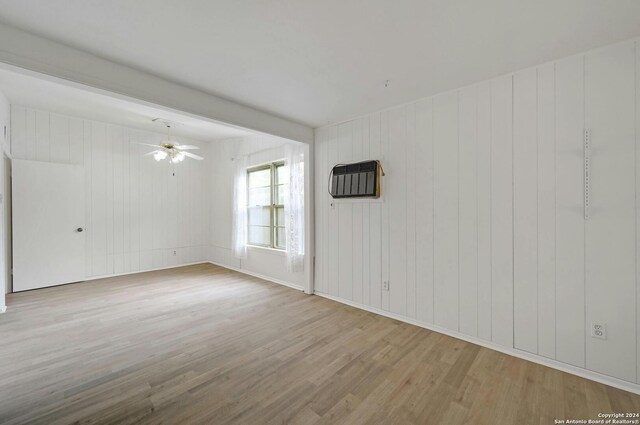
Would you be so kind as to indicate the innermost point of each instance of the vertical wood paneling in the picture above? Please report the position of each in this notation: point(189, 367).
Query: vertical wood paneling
point(201, 211)
point(445, 171)
point(99, 227)
point(31, 135)
point(332, 247)
point(135, 201)
point(109, 204)
point(42, 136)
point(570, 320)
point(322, 202)
point(411, 210)
point(546, 212)
point(196, 209)
point(637, 93)
point(357, 253)
point(173, 191)
point(324, 252)
point(366, 253)
point(483, 206)
point(319, 220)
point(357, 219)
point(59, 139)
point(484, 211)
point(345, 219)
point(126, 202)
point(397, 201)
point(345, 240)
point(385, 188)
point(18, 132)
point(501, 211)
point(184, 238)
point(525, 210)
point(366, 223)
point(158, 218)
point(375, 219)
point(610, 230)
point(375, 255)
point(117, 228)
point(76, 141)
point(424, 210)
point(468, 215)
point(117, 146)
point(88, 196)
point(146, 209)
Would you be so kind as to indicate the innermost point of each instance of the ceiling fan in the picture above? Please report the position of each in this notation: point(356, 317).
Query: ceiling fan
point(169, 149)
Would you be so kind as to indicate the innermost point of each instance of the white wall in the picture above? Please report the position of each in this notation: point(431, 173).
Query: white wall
point(137, 213)
point(260, 261)
point(480, 229)
point(5, 114)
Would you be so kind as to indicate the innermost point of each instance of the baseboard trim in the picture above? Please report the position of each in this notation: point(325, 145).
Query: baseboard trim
point(260, 276)
point(3, 309)
point(574, 370)
point(175, 266)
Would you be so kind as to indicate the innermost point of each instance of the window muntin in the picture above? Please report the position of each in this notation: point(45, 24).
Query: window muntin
point(266, 224)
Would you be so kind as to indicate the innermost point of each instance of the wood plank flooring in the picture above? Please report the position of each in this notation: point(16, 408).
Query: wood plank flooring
point(206, 345)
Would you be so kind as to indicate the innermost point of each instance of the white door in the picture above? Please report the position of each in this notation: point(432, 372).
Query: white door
point(48, 224)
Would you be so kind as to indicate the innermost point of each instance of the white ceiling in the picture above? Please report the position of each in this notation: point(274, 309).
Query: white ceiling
point(43, 94)
point(322, 61)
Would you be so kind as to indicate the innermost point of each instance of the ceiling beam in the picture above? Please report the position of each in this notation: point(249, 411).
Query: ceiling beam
point(27, 51)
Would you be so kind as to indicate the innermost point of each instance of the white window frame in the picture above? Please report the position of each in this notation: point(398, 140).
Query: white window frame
point(273, 206)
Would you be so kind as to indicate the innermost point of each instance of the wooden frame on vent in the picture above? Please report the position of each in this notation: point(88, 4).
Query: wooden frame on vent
point(356, 180)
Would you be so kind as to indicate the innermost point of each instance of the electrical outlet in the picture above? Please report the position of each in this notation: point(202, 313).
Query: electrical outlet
point(385, 285)
point(599, 330)
point(175, 253)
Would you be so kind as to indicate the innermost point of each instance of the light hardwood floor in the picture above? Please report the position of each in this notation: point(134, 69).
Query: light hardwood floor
point(206, 345)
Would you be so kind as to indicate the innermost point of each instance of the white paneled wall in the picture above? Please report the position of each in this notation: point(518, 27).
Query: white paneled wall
point(481, 226)
point(139, 215)
point(570, 278)
point(610, 231)
point(5, 231)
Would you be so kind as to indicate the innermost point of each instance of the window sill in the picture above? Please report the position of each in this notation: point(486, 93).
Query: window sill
point(267, 250)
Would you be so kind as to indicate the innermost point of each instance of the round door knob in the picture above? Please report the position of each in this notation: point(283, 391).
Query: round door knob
point(79, 229)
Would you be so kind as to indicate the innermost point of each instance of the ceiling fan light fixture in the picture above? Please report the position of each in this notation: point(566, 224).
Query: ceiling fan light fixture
point(179, 157)
point(159, 156)
point(170, 149)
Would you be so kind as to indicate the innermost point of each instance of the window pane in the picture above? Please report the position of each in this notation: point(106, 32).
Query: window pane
point(267, 228)
point(282, 174)
point(260, 178)
point(259, 235)
point(281, 238)
point(259, 216)
point(280, 194)
point(279, 216)
point(259, 196)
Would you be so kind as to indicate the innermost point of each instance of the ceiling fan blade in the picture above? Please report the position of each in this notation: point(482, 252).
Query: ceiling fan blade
point(190, 155)
point(186, 147)
point(146, 144)
point(150, 153)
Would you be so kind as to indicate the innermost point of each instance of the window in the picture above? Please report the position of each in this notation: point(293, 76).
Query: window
point(266, 205)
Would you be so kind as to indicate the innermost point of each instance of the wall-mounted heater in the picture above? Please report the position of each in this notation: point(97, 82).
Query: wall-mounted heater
point(357, 180)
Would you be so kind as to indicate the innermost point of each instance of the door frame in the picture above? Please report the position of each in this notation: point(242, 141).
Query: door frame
point(7, 223)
